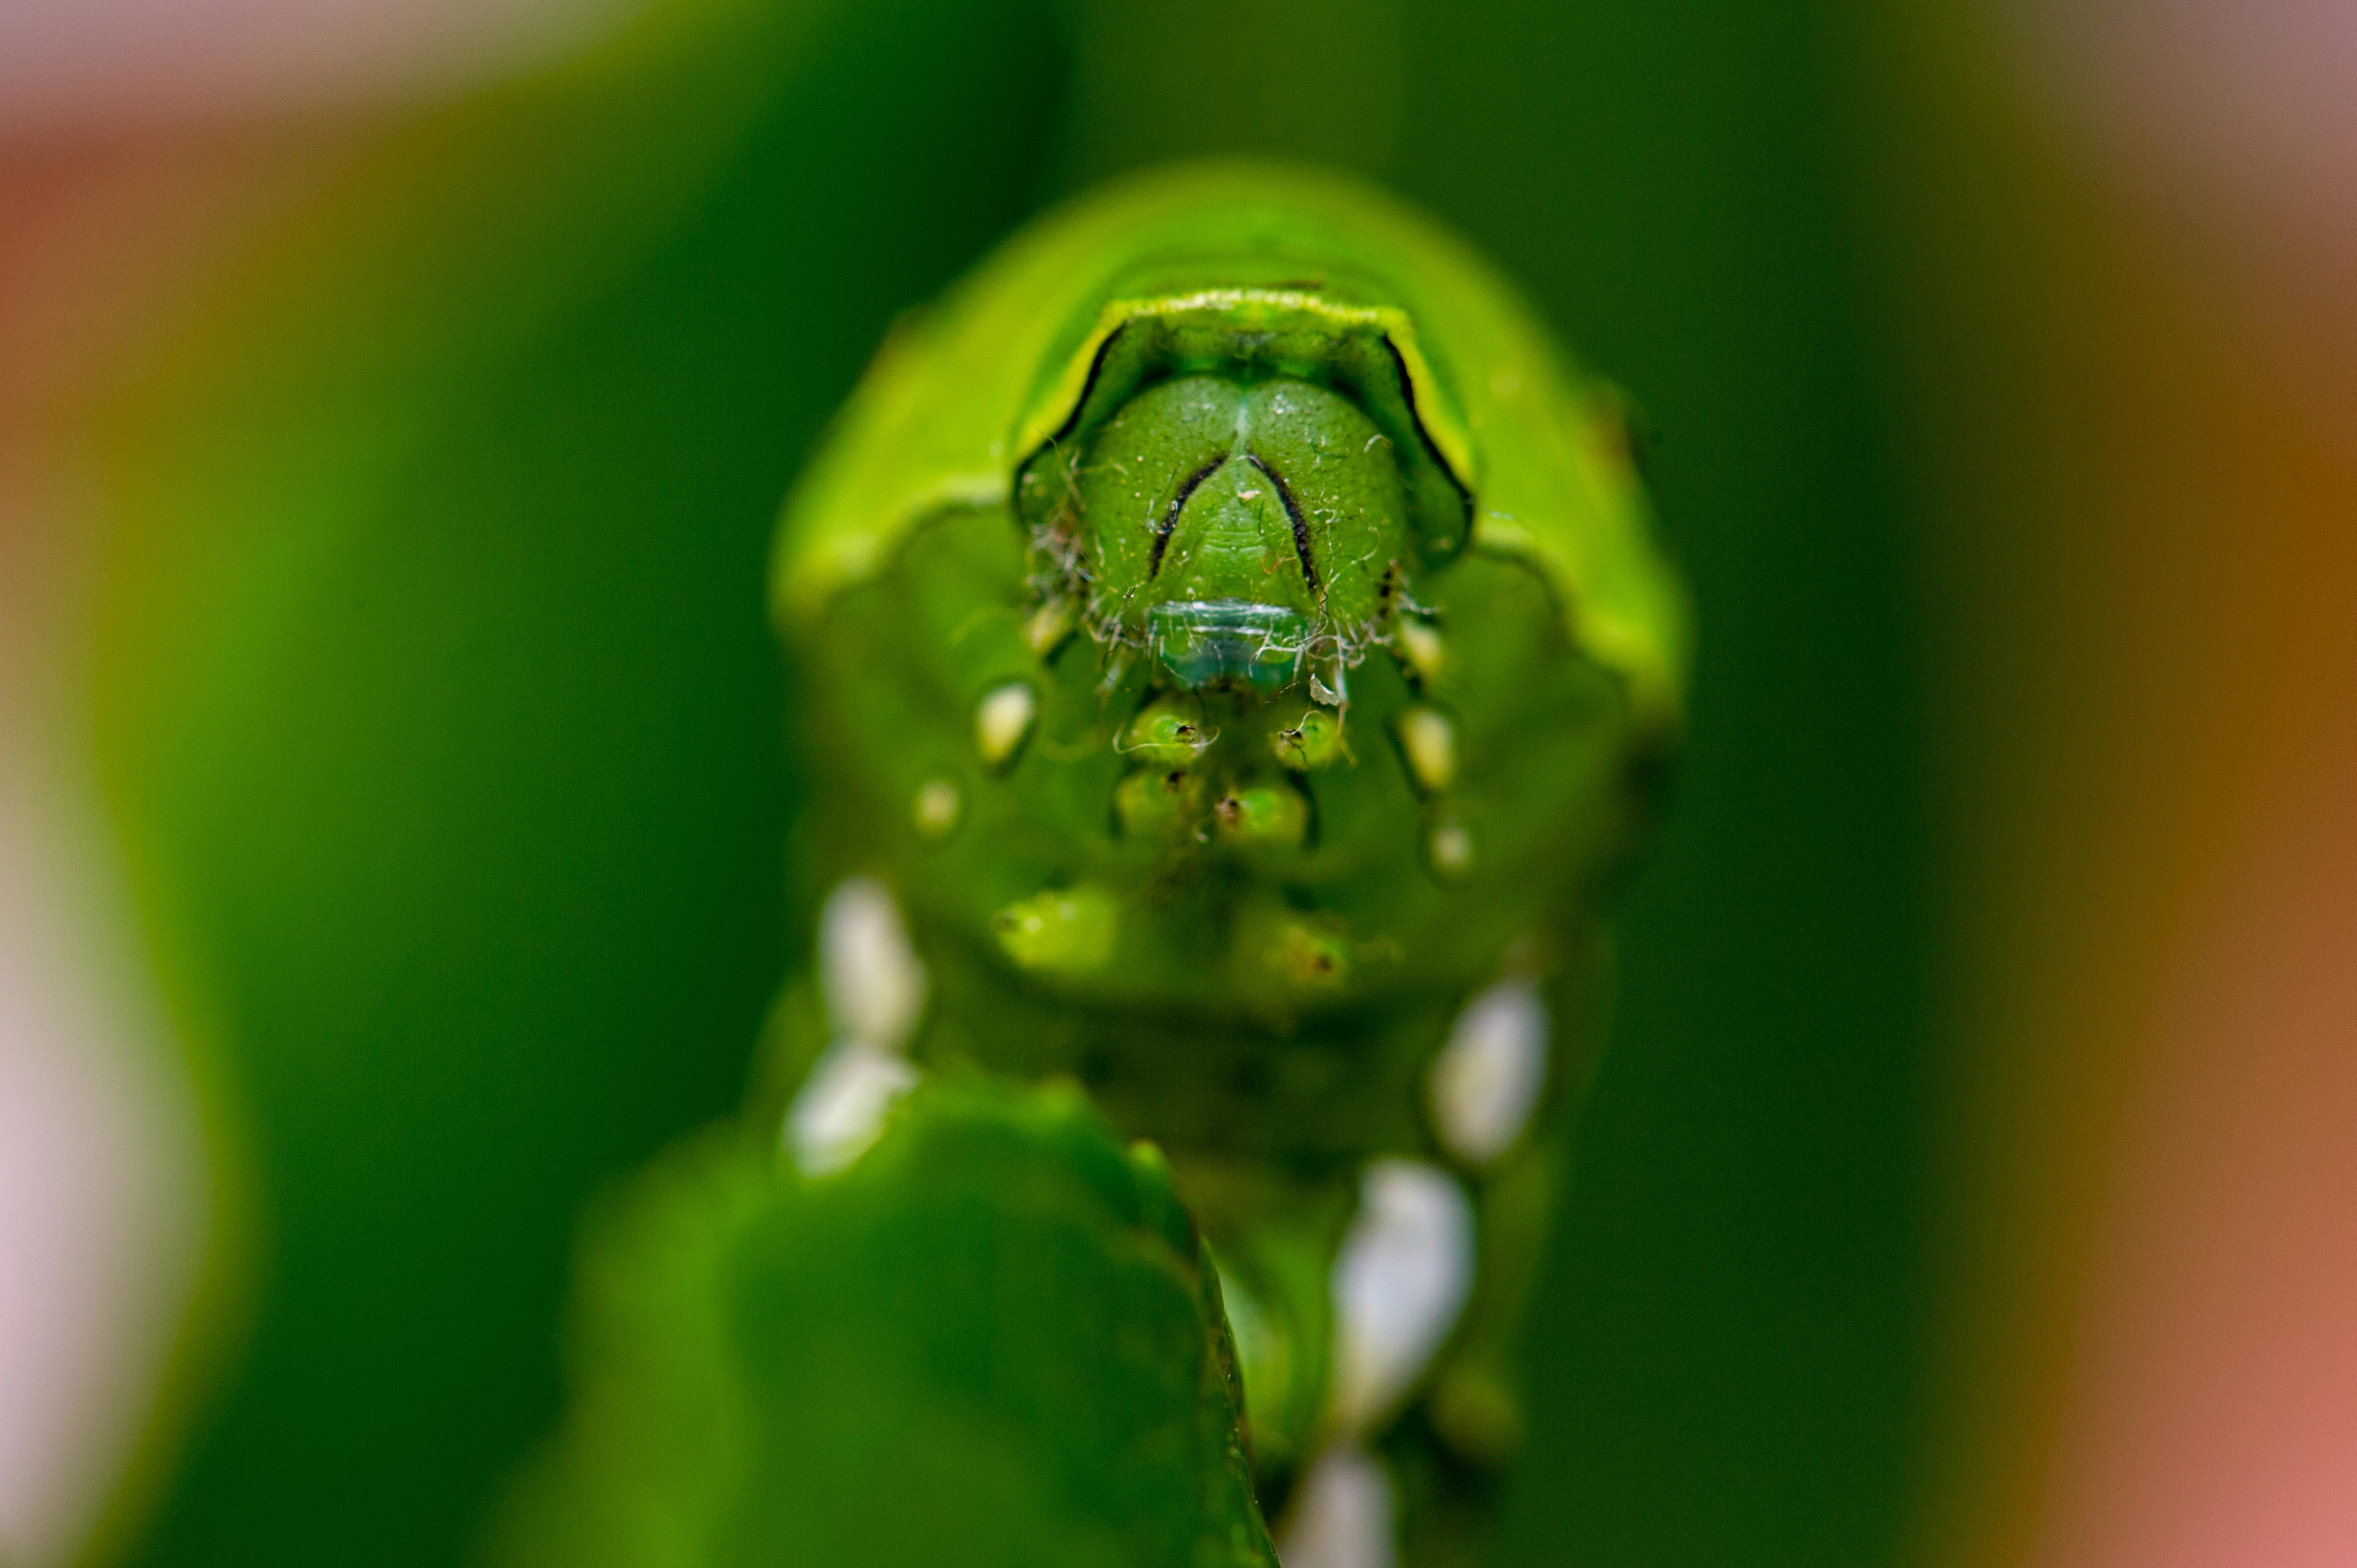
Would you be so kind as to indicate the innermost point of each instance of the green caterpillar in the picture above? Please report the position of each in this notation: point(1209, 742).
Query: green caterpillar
point(1237, 662)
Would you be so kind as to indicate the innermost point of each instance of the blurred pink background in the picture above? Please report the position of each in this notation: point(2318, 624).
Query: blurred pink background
point(139, 141)
point(2141, 391)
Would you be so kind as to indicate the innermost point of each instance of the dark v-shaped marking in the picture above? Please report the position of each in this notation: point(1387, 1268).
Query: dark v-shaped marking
point(1292, 512)
point(1178, 505)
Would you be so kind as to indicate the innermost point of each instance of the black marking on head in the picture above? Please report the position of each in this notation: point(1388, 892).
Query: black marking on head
point(1179, 504)
point(1415, 417)
point(1088, 386)
point(1293, 513)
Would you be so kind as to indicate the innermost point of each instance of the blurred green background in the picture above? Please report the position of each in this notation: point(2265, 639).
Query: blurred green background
point(441, 713)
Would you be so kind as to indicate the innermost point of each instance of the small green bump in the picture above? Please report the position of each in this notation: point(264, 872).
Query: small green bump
point(1313, 739)
point(937, 809)
point(1049, 626)
point(1477, 1415)
point(1309, 957)
point(1450, 846)
point(1158, 1206)
point(1001, 721)
point(1066, 931)
point(1168, 734)
point(1273, 815)
point(1429, 741)
point(1063, 1099)
point(1159, 804)
point(1421, 646)
point(1147, 1157)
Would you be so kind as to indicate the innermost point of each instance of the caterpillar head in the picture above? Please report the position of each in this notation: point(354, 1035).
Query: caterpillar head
point(1238, 690)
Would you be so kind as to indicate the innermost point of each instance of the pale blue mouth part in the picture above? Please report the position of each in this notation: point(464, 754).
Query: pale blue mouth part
point(1201, 642)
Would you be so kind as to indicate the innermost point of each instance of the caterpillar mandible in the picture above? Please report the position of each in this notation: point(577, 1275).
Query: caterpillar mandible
point(1237, 660)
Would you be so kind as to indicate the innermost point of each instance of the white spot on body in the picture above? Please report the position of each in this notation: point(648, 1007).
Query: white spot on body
point(1487, 1079)
point(1342, 1515)
point(937, 808)
point(1428, 741)
point(1048, 625)
point(1399, 1282)
point(873, 986)
point(841, 1108)
point(1451, 847)
point(870, 976)
point(1423, 646)
point(1001, 720)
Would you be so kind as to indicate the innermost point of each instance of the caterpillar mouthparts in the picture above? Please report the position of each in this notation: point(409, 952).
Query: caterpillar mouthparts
point(1201, 642)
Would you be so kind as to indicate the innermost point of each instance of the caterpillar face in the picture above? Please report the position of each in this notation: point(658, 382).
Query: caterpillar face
point(1238, 668)
point(1240, 535)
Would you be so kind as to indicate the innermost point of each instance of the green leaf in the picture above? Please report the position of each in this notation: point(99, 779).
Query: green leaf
point(993, 1339)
